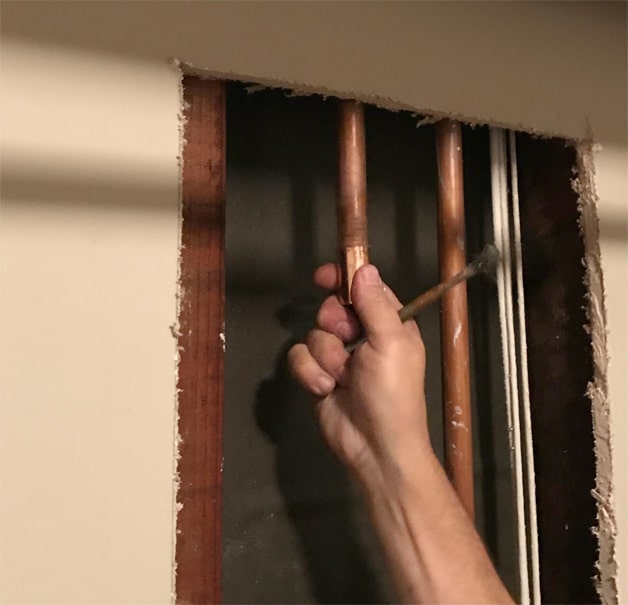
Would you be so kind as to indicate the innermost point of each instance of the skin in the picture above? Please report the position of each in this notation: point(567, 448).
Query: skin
point(372, 413)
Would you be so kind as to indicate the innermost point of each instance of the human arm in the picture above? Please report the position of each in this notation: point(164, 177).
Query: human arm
point(371, 408)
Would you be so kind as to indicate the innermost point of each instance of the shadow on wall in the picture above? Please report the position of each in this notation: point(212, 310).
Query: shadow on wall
point(315, 488)
point(316, 491)
point(294, 527)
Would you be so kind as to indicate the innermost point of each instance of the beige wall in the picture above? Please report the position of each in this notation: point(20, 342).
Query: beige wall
point(89, 230)
point(89, 251)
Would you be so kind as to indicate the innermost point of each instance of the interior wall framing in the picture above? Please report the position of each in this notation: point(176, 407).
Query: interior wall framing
point(90, 207)
point(278, 133)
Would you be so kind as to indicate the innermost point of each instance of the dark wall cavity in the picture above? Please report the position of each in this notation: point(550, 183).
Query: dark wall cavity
point(560, 368)
point(294, 528)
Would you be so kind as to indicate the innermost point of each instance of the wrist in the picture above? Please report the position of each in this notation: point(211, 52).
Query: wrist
point(398, 492)
point(396, 469)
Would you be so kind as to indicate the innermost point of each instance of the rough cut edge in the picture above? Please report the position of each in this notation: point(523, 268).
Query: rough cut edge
point(425, 115)
point(606, 530)
point(176, 332)
point(583, 185)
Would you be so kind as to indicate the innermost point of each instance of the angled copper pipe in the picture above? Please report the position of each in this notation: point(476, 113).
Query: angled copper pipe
point(454, 317)
point(352, 220)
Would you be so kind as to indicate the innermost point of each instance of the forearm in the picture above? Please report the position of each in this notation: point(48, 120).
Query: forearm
point(431, 546)
point(367, 402)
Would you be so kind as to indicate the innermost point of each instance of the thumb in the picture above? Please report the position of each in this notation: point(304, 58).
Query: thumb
point(374, 307)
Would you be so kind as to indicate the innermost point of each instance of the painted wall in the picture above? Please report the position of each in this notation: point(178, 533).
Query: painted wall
point(89, 230)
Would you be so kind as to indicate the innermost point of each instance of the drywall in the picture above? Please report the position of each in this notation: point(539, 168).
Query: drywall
point(89, 230)
point(530, 56)
point(89, 253)
point(607, 267)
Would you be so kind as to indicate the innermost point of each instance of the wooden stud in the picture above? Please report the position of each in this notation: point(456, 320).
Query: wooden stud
point(201, 344)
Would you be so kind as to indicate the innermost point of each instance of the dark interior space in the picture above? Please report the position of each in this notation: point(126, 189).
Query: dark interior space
point(293, 526)
point(294, 529)
point(560, 369)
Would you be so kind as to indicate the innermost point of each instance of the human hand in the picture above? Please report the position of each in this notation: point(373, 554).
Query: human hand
point(371, 408)
point(370, 405)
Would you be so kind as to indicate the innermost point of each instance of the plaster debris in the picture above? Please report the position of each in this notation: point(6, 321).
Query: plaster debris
point(459, 425)
point(222, 340)
point(426, 120)
point(175, 329)
point(176, 333)
point(253, 88)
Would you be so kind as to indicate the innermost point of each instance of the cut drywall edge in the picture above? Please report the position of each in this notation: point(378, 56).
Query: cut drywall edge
point(427, 115)
point(606, 530)
point(176, 331)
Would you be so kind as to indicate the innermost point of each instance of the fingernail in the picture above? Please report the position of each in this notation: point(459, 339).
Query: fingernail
point(370, 275)
point(325, 385)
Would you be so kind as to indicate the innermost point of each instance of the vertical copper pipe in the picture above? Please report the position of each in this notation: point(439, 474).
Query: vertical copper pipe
point(454, 319)
point(352, 222)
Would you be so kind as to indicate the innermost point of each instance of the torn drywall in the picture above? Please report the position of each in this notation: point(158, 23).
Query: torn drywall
point(176, 333)
point(606, 530)
point(428, 115)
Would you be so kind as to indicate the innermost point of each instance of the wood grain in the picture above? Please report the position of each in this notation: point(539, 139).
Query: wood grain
point(201, 344)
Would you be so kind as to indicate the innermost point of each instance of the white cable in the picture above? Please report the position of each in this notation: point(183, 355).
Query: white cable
point(501, 229)
point(496, 191)
point(513, 365)
point(523, 365)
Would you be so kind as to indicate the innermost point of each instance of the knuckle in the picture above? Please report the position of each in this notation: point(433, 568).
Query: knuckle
point(327, 351)
point(313, 339)
point(396, 345)
point(405, 345)
point(295, 358)
point(302, 367)
point(322, 311)
point(327, 307)
point(316, 345)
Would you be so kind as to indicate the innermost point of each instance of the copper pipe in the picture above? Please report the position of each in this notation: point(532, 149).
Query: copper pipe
point(454, 319)
point(485, 263)
point(352, 221)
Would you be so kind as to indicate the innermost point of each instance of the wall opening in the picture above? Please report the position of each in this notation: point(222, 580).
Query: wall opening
point(293, 528)
point(282, 487)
